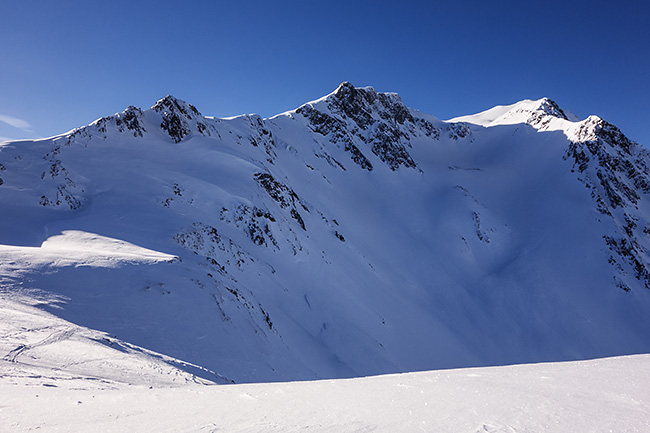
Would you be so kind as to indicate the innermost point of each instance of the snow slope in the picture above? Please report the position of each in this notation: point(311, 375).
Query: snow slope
point(352, 236)
point(605, 395)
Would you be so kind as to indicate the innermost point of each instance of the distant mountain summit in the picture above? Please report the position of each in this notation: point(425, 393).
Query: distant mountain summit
point(348, 237)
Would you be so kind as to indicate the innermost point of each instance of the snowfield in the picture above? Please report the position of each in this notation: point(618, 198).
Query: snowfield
point(604, 395)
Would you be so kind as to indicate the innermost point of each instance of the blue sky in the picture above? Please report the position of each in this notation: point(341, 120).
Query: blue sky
point(65, 63)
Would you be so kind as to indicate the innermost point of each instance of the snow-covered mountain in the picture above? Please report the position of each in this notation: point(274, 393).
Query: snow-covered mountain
point(349, 237)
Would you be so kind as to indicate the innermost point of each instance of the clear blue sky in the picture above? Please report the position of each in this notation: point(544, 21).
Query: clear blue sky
point(65, 63)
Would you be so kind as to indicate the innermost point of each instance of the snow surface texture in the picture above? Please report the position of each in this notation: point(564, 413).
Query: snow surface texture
point(605, 395)
point(352, 236)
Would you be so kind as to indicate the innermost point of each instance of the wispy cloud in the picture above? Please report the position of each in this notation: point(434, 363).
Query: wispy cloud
point(16, 122)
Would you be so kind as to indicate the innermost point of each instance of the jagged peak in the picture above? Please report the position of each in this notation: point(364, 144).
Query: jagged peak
point(362, 104)
point(130, 120)
point(595, 129)
point(347, 93)
point(174, 104)
point(550, 107)
point(179, 118)
point(345, 86)
point(176, 117)
point(128, 112)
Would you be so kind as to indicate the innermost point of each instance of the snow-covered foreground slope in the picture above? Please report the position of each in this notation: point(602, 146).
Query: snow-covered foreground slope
point(605, 395)
point(349, 237)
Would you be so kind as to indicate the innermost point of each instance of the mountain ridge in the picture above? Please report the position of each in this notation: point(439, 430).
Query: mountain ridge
point(350, 236)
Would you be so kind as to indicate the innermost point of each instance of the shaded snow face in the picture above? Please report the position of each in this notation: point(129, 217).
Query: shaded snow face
point(351, 236)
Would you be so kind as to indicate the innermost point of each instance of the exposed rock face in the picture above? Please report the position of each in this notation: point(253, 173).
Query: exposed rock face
point(380, 122)
point(543, 114)
point(131, 120)
point(179, 119)
point(615, 170)
point(261, 136)
point(283, 195)
point(336, 130)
